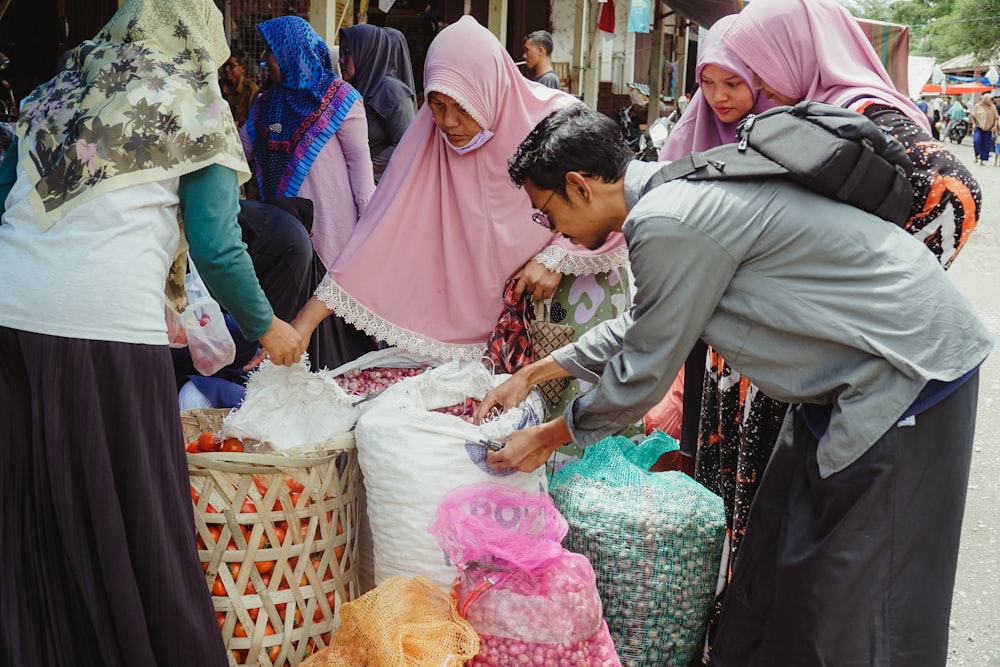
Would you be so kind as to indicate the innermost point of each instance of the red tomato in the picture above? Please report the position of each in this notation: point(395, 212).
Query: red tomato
point(294, 485)
point(265, 566)
point(238, 630)
point(218, 588)
point(209, 442)
point(261, 486)
point(232, 445)
point(192, 448)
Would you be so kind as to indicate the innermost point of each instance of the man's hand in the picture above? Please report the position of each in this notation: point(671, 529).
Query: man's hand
point(536, 280)
point(514, 389)
point(530, 448)
point(504, 396)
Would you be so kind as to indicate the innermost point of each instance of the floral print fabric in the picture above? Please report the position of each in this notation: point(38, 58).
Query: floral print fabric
point(583, 302)
point(138, 103)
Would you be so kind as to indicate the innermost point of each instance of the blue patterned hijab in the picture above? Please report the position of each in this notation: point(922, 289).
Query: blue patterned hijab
point(293, 120)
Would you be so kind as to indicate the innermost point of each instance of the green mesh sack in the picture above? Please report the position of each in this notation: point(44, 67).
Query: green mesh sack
point(655, 541)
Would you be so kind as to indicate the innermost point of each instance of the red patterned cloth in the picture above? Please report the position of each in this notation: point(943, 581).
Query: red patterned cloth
point(509, 347)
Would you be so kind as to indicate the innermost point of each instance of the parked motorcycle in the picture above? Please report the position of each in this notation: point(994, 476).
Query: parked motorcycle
point(646, 143)
point(959, 130)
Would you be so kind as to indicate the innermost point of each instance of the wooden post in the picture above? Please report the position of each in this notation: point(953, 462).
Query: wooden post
point(323, 19)
point(498, 19)
point(579, 37)
point(592, 67)
point(655, 66)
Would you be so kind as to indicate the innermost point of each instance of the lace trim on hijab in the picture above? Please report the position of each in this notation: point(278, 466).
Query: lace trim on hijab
point(341, 303)
point(557, 258)
point(462, 102)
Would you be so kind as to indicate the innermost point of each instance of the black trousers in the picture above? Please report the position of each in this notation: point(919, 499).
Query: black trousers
point(859, 568)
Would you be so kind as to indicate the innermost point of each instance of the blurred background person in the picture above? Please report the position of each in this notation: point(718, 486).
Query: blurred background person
point(236, 88)
point(537, 55)
point(376, 62)
point(308, 135)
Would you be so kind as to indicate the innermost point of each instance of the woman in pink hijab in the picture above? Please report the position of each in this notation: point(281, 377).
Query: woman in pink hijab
point(725, 96)
point(815, 50)
point(426, 266)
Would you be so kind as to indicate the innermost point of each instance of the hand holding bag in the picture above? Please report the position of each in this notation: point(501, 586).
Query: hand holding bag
point(523, 335)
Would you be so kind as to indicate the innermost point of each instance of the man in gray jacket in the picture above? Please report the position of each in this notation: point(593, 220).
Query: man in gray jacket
point(850, 552)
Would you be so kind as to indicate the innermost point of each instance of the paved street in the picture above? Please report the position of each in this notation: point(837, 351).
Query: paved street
point(975, 617)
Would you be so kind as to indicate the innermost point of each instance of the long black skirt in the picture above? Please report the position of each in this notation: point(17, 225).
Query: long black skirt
point(858, 569)
point(100, 565)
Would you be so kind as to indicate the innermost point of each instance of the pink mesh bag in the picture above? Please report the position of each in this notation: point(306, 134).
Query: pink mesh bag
point(530, 600)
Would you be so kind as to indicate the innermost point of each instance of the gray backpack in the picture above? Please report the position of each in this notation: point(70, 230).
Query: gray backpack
point(835, 152)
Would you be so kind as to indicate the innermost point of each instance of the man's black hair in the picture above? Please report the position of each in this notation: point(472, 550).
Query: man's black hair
point(542, 38)
point(576, 138)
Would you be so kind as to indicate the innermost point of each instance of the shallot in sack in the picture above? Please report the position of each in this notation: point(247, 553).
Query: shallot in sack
point(412, 454)
point(655, 541)
point(531, 601)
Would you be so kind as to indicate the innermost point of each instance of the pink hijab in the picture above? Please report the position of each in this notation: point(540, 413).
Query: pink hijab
point(814, 50)
point(426, 265)
point(699, 128)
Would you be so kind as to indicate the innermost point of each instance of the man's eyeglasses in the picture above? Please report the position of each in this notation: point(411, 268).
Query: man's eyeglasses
point(540, 217)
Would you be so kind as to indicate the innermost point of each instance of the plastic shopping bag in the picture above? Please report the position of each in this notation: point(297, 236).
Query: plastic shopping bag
point(208, 339)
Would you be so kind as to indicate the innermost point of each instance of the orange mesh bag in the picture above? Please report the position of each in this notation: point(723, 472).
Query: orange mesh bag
point(403, 622)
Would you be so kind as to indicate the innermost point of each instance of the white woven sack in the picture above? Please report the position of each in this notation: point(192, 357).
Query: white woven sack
point(411, 457)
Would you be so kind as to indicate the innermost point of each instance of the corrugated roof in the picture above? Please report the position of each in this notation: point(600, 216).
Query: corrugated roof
point(705, 12)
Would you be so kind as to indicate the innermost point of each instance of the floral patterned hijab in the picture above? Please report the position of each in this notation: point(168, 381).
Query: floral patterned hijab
point(138, 103)
point(293, 120)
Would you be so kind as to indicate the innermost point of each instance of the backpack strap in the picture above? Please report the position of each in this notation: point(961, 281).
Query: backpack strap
point(860, 171)
point(902, 190)
point(678, 168)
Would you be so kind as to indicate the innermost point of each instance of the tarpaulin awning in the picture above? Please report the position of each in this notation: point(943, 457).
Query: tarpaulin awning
point(892, 44)
point(705, 12)
point(956, 88)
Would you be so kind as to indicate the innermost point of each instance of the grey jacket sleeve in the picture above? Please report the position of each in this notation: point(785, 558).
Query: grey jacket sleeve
point(681, 274)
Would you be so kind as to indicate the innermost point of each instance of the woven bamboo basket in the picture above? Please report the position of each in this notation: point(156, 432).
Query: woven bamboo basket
point(277, 538)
